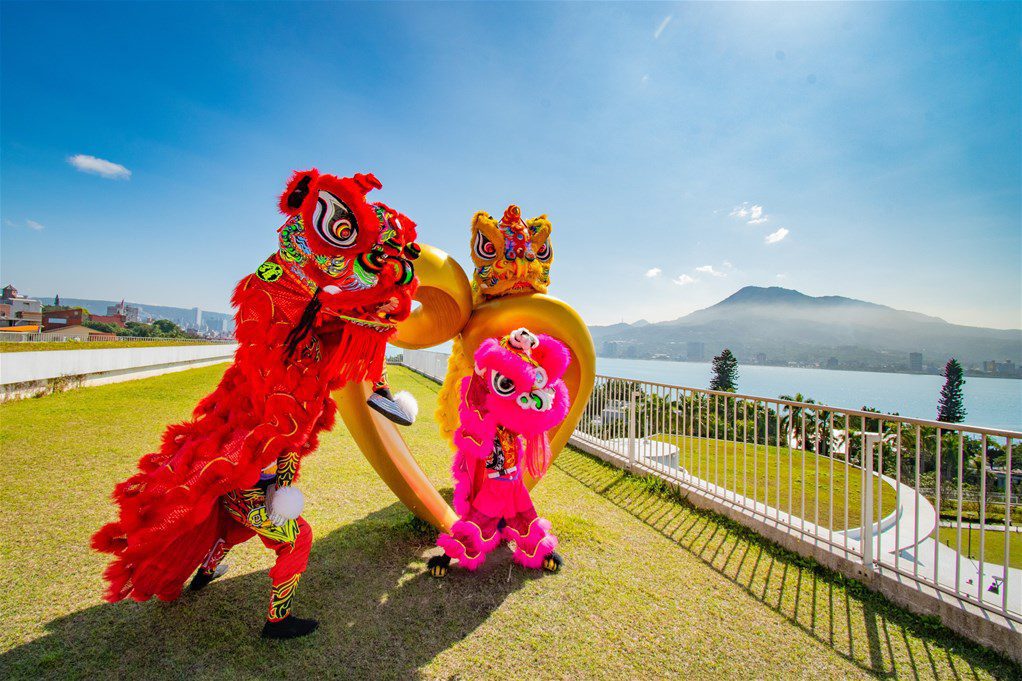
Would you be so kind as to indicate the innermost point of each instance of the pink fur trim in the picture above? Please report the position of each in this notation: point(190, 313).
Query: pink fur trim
point(456, 548)
point(538, 537)
point(552, 355)
point(491, 356)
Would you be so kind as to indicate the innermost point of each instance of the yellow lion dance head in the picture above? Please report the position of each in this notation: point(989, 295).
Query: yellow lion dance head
point(512, 256)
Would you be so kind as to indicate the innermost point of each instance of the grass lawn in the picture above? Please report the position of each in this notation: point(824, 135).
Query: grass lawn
point(993, 545)
point(651, 587)
point(797, 482)
point(8, 346)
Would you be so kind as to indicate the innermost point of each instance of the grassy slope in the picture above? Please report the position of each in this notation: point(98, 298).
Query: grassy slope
point(993, 545)
point(90, 345)
point(795, 481)
point(651, 587)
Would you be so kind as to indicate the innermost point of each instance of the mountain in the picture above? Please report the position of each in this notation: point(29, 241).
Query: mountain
point(789, 326)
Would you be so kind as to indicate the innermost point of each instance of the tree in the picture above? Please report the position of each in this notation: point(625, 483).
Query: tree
point(951, 406)
point(793, 416)
point(100, 326)
point(725, 372)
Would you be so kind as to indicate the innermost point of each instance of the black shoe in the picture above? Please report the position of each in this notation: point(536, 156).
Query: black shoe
point(553, 562)
point(202, 578)
point(289, 627)
point(383, 401)
point(438, 565)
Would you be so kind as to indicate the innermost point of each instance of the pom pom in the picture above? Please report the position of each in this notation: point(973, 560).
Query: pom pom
point(407, 402)
point(288, 502)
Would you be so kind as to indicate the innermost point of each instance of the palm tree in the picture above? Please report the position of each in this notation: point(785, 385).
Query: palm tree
point(791, 419)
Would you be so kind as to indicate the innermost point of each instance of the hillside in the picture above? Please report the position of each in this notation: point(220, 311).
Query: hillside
point(789, 326)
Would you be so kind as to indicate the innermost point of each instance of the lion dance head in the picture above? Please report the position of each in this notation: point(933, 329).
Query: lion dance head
point(517, 381)
point(356, 256)
point(512, 256)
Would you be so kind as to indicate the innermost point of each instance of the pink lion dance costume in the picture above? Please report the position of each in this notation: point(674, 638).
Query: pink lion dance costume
point(513, 398)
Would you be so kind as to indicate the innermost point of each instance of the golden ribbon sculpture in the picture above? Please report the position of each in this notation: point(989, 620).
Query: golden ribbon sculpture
point(449, 311)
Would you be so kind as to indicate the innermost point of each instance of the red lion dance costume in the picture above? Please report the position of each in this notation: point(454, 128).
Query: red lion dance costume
point(315, 315)
point(514, 396)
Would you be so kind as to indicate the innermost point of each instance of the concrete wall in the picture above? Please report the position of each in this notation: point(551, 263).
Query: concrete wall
point(25, 372)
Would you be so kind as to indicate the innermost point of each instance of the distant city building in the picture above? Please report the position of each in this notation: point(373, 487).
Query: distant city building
point(198, 318)
point(130, 313)
point(696, 351)
point(81, 333)
point(56, 319)
point(760, 358)
point(20, 311)
point(112, 319)
point(915, 361)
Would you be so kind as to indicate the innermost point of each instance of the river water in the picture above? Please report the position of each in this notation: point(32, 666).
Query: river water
point(990, 402)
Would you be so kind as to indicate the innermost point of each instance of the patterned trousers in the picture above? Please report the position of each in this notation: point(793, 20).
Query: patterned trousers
point(291, 542)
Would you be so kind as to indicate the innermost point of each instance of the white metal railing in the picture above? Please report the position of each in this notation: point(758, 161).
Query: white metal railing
point(18, 337)
point(932, 504)
point(426, 362)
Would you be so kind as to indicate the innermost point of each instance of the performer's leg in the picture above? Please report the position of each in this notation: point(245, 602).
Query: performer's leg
point(213, 564)
point(534, 544)
point(292, 559)
point(400, 408)
point(470, 539)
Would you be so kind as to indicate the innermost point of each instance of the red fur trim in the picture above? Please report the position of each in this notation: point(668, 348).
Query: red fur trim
point(266, 404)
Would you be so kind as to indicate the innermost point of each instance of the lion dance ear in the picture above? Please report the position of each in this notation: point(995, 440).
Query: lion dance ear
point(366, 183)
point(298, 187)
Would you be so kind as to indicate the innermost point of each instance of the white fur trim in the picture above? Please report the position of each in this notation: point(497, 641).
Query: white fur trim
point(409, 406)
point(287, 502)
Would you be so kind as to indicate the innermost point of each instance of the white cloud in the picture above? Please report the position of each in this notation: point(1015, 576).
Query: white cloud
point(645, 78)
point(774, 237)
point(662, 26)
point(31, 224)
point(685, 280)
point(653, 272)
point(753, 214)
point(708, 269)
point(99, 166)
point(782, 277)
point(727, 265)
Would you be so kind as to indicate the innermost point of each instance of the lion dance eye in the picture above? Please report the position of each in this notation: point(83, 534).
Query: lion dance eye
point(544, 252)
point(502, 385)
point(334, 222)
point(483, 247)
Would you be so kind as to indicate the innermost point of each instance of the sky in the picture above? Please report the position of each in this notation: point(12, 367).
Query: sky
point(681, 151)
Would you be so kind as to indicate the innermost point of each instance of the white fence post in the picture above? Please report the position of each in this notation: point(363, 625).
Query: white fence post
point(631, 431)
point(866, 536)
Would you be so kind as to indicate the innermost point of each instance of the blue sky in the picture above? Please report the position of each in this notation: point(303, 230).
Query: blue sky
point(872, 150)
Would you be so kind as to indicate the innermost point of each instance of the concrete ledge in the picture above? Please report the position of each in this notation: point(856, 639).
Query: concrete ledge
point(25, 373)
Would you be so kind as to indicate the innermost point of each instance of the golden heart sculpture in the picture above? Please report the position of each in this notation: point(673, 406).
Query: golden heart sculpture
point(446, 313)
